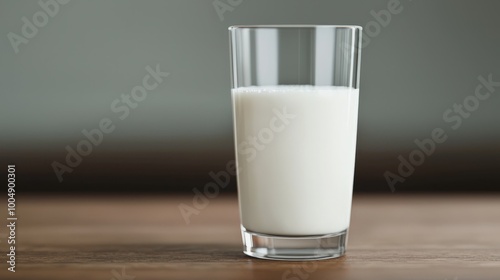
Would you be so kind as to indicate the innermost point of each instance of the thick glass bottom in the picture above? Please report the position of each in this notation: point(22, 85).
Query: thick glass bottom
point(294, 248)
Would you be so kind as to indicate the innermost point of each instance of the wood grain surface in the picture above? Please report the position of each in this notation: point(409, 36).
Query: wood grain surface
point(105, 237)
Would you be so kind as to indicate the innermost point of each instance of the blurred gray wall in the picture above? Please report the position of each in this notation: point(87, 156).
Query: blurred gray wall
point(63, 80)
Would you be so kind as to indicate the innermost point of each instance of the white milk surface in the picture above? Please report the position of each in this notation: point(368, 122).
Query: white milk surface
point(295, 157)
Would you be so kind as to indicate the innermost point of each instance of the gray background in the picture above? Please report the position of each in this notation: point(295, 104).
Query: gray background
point(64, 79)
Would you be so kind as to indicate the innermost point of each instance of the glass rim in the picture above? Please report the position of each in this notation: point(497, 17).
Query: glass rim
point(283, 26)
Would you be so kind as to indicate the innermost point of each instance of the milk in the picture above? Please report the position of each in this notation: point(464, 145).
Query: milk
point(295, 157)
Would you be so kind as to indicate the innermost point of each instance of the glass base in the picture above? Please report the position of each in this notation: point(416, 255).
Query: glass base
point(294, 248)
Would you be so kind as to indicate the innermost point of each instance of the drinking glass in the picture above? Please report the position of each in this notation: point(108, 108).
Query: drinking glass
point(295, 95)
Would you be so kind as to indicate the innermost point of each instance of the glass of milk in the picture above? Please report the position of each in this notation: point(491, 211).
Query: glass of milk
point(295, 95)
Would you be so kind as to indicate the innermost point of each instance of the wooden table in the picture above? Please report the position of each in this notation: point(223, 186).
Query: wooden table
point(391, 237)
